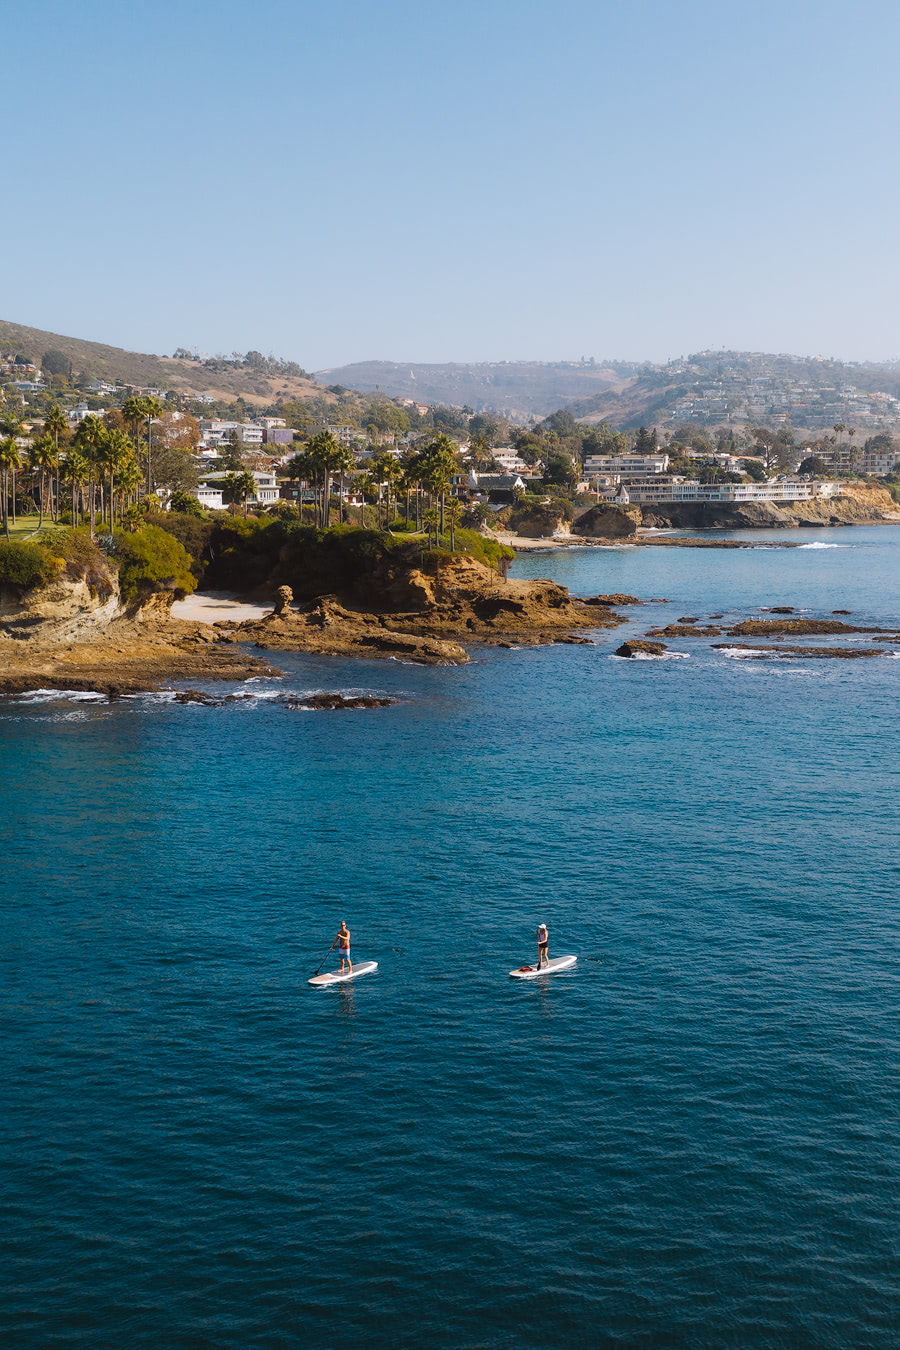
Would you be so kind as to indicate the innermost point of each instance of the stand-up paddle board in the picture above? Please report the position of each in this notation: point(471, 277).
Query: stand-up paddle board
point(335, 977)
point(551, 968)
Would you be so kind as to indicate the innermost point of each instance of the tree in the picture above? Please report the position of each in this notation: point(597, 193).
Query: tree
point(42, 458)
point(239, 487)
point(454, 514)
point(75, 471)
point(815, 465)
point(185, 504)
point(839, 429)
point(90, 439)
point(233, 457)
point(56, 424)
point(55, 362)
point(114, 454)
point(646, 443)
point(559, 471)
point(10, 461)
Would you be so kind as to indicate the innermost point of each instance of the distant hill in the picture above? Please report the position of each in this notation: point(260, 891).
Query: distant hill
point(521, 390)
point(708, 388)
point(218, 378)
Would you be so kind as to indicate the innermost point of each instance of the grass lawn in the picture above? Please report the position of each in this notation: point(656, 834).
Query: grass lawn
point(26, 525)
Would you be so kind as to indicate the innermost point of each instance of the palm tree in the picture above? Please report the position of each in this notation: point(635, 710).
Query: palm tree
point(454, 515)
point(342, 464)
point(325, 452)
point(10, 460)
point(129, 478)
point(133, 413)
point(74, 471)
point(91, 438)
point(56, 425)
point(43, 459)
point(113, 455)
point(238, 487)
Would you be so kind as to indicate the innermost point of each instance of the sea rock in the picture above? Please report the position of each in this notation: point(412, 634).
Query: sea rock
point(639, 647)
point(617, 598)
point(818, 653)
point(687, 618)
point(283, 597)
point(606, 521)
point(685, 630)
point(329, 702)
point(782, 609)
point(795, 627)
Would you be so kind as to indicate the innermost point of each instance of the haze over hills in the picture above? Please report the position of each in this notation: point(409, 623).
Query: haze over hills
point(709, 388)
point(520, 390)
point(221, 377)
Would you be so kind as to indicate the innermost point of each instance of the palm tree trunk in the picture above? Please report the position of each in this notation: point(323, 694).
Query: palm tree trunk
point(442, 513)
point(14, 496)
point(41, 516)
point(5, 486)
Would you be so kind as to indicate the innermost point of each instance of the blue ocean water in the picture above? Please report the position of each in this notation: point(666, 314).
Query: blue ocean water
point(689, 1140)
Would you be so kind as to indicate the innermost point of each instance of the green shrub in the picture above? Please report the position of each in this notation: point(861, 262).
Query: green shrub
point(151, 560)
point(186, 504)
point(25, 565)
point(192, 532)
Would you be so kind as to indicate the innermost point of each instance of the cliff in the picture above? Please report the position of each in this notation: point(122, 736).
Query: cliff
point(857, 504)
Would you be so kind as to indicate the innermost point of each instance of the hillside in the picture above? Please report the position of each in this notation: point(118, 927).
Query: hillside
point(708, 388)
point(217, 378)
point(520, 390)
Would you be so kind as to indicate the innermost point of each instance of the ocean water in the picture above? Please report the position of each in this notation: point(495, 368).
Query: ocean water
point(688, 1140)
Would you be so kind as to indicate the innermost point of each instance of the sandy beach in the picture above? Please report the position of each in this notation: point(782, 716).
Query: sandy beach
point(209, 606)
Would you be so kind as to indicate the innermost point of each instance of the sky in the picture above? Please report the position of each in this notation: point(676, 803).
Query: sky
point(481, 180)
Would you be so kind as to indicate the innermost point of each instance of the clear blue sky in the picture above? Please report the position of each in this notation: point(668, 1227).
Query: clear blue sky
point(500, 179)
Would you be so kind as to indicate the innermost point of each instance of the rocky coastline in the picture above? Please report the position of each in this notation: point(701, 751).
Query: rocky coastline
point(62, 639)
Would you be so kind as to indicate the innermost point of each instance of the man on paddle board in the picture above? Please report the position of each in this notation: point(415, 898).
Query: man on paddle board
point(543, 940)
point(343, 942)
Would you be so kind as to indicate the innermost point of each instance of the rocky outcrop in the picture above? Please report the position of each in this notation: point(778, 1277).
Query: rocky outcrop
point(283, 598)
point(685, 630)
point(606, 521)
point(817, 653)
point(796, 627)
point(636, 647)
point(539, 522)
point(65, 610)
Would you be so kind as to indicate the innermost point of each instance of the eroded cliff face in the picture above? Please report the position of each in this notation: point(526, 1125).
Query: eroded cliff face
point(66, 610)
point(857, 504)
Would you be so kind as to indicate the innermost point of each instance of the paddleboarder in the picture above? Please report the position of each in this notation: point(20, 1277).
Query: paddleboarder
point(543, 940)
point(343, 942)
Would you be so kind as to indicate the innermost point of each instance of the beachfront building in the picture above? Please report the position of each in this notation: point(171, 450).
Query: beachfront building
point(627, 467)
point(681, 490)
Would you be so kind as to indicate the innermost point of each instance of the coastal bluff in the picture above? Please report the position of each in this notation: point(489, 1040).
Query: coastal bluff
point(425, 613)
point(79, 632)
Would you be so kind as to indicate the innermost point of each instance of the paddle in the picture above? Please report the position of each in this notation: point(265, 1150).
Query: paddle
point(324, 959)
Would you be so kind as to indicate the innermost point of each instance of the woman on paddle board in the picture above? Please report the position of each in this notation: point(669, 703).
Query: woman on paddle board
point(343, 942)
point(543, 940)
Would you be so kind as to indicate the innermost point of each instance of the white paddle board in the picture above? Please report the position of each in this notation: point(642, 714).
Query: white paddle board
point(553, 968)
point(335, 977)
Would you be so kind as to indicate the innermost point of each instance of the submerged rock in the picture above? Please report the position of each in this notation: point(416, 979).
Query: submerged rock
point(617, 598)
point(685, 630)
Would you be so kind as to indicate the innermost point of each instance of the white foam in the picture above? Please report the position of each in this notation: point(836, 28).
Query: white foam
point(741, 653)
point(819, 544)
point(647, 656)
point(55, 695)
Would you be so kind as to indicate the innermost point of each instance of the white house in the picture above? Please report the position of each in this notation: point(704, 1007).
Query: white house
point(210, 491)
